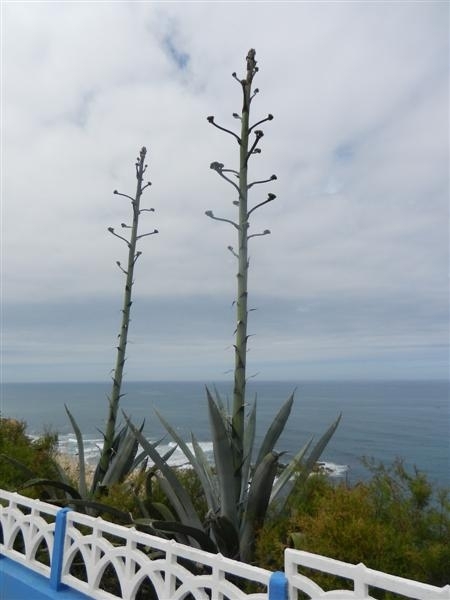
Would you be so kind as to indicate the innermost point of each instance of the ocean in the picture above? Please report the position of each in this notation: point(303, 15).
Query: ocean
point(382, 420)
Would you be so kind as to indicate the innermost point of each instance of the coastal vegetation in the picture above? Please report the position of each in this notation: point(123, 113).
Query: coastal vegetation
point(396, 521)
point(22, 457)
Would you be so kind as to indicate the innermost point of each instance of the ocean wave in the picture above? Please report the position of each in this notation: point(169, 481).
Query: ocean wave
point(332, 469)
point(67, 444)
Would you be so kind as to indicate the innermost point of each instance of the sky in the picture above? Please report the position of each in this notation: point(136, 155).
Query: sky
point(352, 283)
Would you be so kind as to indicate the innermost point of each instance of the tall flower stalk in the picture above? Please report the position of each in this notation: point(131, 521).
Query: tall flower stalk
point(119, 455)
point(247, 149)
point(242, 484)
point(133, 254)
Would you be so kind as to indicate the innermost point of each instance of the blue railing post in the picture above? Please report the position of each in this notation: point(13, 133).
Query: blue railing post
point(278, 586)
point(58, 549)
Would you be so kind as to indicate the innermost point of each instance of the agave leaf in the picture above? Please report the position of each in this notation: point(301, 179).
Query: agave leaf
point(226, 536)
point(275, 429)
point(123, 461)
point(224, 410)
point(81, 462)
point(223, 456)
point(198, 467)
point(174, 500)
point(100, 509)
point(220, 403)
point(151, 472)
point(208, 472)
point(174, 489)
point(138, 459)
point(287, 476)
point(257, 503)
point(178, 439)
point(146, 525)
point(202, 539)
point(317, 451)
point(54, 483)
point(164, 511)
point(249, 440)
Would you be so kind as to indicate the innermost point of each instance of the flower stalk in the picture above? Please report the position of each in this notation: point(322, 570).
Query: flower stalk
point(107, 453)
point(247, 148)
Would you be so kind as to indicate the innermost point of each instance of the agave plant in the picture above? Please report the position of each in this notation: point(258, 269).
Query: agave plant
point(242, 484)
point(119, 454)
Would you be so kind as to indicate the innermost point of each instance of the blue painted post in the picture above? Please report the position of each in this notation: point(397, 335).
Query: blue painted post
point(58, 549)
point(278, 586)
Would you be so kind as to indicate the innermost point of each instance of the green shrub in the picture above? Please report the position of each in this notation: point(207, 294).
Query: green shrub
point(396, 523)
point(37, 455)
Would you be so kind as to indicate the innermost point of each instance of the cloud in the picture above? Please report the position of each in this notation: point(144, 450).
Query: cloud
point(359, 144)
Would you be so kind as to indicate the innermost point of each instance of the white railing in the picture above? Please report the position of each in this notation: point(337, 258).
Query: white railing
point(28, 528)
point(89, 555)
point(362, 580)
point(171, 570)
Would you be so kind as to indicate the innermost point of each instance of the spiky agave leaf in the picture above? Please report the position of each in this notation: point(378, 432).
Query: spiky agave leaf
point(203, 540)
point(172, 486)
point(317, 450)
point(174, 500)
point(163, 511)
point(198, 466)
point(287, 476)
point(124, 460)
point(220, 403)
point(226, 536)
point(98, 509)
point(257, 503)
point(146, 525)
point(53, 483)
point(82, 485)
point(147, 506)
point(276, 429)
point(223, 456)
point(204, 464)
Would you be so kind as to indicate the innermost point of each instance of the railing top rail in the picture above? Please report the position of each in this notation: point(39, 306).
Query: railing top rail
point(19, 500)
point(393, 583)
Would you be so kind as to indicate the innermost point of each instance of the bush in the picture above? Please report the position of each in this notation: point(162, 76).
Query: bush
point(396, 523)
point(36, 455)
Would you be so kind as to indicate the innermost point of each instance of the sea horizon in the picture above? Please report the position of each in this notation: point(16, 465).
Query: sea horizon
point(253, 379)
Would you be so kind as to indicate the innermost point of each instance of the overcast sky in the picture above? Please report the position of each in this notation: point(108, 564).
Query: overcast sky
point(353, 280)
